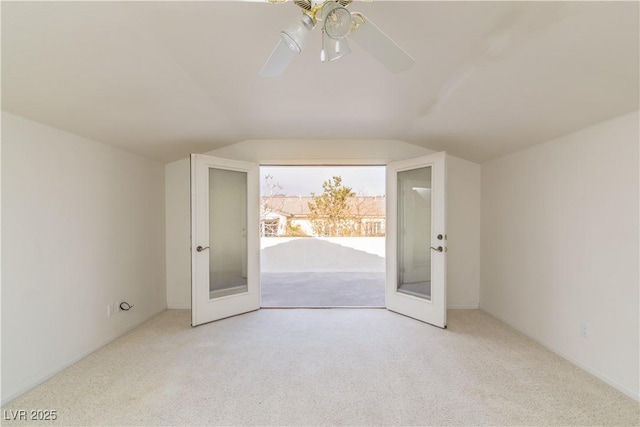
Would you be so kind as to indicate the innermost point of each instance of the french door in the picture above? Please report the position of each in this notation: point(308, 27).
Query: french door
point(225, 246)
point(416, 239)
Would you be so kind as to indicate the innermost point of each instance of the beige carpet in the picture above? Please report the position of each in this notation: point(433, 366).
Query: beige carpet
point(327, 367)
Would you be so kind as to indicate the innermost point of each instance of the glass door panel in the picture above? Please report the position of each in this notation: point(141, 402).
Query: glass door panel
point(227, 232)
point(414, 232)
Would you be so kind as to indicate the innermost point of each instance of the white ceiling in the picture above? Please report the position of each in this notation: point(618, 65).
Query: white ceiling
point(164, 79)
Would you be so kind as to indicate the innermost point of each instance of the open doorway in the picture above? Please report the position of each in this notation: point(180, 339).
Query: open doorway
point(322, 236)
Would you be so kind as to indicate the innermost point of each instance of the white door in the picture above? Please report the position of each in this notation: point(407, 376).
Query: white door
point(416, 283)
point(225, 246)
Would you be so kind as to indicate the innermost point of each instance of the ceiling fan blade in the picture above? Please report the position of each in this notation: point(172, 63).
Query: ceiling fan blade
point(279, 60)
point(379, 45)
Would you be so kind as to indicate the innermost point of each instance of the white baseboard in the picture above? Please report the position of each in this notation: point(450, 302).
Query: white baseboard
point(631, 393)
point(179, 307)
point(50, 373)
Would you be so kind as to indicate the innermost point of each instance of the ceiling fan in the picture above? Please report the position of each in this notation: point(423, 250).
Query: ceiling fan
point(338, 25)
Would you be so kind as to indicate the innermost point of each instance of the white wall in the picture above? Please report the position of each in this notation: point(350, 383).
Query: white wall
point(560, 247)
point(463, 233)
point(178, 231)
point(463, 212)
point(371, 245)
point(322, 254)
point(82, 227)
point(320, 151)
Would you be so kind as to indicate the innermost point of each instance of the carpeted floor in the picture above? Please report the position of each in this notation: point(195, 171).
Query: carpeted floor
point(327, 367)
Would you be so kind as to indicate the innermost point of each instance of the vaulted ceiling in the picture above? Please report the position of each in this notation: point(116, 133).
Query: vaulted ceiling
point(164, 79)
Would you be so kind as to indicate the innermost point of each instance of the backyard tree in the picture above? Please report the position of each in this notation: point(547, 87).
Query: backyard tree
point(330, 211)
point(270, 202)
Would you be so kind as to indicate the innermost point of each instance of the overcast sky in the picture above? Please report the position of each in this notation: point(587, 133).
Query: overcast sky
point(304, 180)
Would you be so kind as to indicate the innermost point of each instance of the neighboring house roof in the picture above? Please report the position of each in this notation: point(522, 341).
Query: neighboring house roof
point(298, 206)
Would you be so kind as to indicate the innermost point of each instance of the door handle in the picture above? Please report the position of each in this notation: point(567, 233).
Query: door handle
point(200, 248)
point(439, 249)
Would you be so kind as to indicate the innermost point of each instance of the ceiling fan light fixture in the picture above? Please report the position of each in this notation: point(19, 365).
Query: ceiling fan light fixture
point(337, 25)
point(297, 32)
point(335, 49)
point(337, 21)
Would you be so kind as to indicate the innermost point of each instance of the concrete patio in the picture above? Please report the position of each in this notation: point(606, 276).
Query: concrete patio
point(322, 289)
point(322, 272)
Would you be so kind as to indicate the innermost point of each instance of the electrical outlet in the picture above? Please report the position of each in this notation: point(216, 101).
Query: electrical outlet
point(584, 330)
